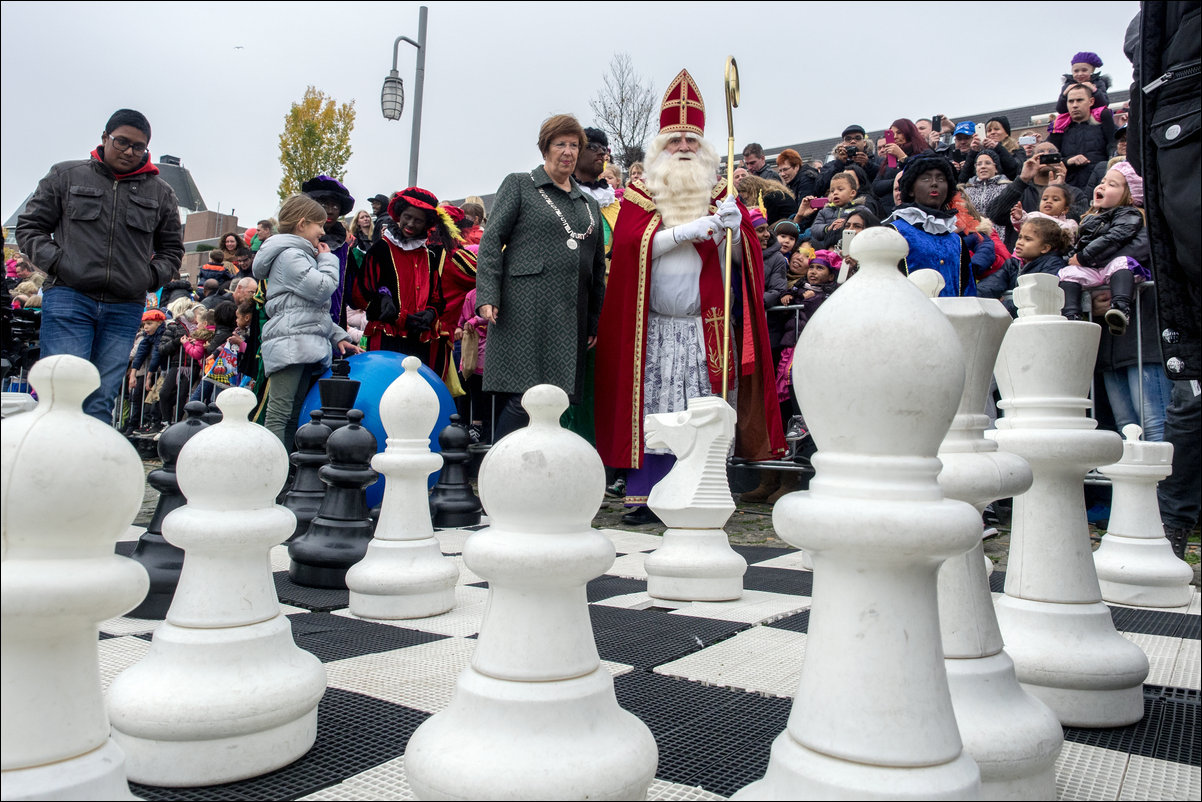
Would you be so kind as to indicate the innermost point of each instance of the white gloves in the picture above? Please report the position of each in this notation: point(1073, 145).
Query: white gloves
point(729, 215)
point(696, 230)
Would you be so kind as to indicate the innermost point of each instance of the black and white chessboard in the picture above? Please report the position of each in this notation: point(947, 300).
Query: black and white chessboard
point(713, 682)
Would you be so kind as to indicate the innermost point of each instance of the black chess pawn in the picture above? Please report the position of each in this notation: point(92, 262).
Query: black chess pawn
point(452, 502)
point(338, 393)
point(162, 560)
point(338, 536)
point(307, 491)
point(212, 414)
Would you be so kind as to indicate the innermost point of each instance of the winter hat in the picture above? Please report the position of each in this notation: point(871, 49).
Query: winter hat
point(381, 199)
point(916, 166)
point(757, 218)
point(323, 188)
point(153, 314)
point(853, 129)
point(1135, 184)
point(966, 128)
point(1085, 57)
point(786, 227)
point(596, 135)
point(1002, 121)
point(413, 196)
point(992, 154)
point(827, 258)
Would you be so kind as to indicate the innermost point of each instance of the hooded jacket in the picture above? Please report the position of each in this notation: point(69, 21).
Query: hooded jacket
point(113, 238)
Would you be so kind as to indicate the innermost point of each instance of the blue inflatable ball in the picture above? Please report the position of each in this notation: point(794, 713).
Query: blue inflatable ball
point(375, 371)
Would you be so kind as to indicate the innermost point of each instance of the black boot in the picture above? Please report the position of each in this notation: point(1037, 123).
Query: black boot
point(1122, 286)
point(1178, 538)
point(1072, 300)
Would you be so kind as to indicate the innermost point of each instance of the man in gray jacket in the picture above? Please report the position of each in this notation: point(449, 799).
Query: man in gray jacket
point(106, 230)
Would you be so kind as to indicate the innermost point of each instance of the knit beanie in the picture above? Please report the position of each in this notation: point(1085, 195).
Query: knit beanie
point(1135, 184)
point(1002, 121)
point(1085, 57)
point(992, 154)
point(827, 258)
point(786, 227)
point(757, 218)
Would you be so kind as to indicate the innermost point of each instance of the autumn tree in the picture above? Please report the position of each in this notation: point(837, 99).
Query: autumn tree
point(624, 108)
point(316, 140)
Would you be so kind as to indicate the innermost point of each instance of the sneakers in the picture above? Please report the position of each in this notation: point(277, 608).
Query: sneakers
point(618, 488)
point(640, 516)
point(1117, 319)
point(797, 429)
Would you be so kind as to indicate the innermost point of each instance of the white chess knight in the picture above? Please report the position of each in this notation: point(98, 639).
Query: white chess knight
point(873, 717)
point(535, 716)
point(224, 692)
point(404, 573)
point(71, 485)
point(1056, 628)
point(695, 562)
point(1012, 736)
point(1135, 561)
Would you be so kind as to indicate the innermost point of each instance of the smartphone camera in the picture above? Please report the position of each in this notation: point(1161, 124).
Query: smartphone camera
point(1050, 158)
point(1027, 140)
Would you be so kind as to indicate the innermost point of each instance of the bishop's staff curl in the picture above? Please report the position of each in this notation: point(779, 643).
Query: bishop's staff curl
point(732, 102)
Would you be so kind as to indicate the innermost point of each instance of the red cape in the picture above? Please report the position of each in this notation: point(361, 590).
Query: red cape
point(622, 337)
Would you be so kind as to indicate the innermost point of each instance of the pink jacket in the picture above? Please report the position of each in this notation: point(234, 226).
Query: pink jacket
point(468, 317)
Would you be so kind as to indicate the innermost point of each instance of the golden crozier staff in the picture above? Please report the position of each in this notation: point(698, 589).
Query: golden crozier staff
point(732, 102)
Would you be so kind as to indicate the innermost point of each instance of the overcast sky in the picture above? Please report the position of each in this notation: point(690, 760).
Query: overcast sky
point(216, 79)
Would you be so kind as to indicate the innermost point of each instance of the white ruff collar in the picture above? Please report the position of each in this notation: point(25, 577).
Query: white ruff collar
point(406, 244)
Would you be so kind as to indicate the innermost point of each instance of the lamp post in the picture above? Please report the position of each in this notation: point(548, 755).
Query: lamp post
point(392, 95)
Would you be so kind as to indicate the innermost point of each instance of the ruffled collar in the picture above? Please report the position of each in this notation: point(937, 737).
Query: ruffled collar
point(932, 221)
point(403, 244)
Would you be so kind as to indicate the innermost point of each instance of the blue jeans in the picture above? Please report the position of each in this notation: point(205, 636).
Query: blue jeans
point(102, 333)
point(1122, 388)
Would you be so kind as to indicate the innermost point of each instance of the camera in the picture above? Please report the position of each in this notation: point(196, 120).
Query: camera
point(851, 151)
point(1050, 158)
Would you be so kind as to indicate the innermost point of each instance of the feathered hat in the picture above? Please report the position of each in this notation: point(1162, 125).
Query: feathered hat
point(436, 216)
point(322, 188)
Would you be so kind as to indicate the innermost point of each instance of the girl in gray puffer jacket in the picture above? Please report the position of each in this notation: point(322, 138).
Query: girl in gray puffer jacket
point(301, 275)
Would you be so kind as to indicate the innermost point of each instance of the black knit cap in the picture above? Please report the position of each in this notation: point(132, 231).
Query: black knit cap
point(1003, 122)
point(596, 135)
point(916, 166)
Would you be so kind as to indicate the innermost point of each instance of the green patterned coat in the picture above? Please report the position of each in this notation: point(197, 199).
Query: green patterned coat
point(548, 296)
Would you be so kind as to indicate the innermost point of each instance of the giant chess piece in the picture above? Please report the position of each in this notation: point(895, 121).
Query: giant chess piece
point(695, 562)
point(453, 505)
point(337, 392)
point(224, 693)
point(1056, 628)
point(338, 536)
point(1135, 562)
point(307, 491)
point(163, 561)
point(1012, 736)
point(71, 485)
point(534, 716)
point(873, 718)
point(404, 573)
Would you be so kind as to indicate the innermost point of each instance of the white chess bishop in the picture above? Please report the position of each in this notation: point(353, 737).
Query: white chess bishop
point(224, 692)
point(71, 486)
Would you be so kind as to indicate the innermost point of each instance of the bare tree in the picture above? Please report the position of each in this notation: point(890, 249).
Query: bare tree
point(624, 109)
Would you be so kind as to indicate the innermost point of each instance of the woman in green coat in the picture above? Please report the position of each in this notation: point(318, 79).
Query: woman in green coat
point(541, 276)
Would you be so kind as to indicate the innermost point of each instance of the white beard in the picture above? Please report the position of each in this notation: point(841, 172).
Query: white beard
point(681, 183)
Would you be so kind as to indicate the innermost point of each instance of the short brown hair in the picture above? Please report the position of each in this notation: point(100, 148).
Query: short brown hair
point(556, 126)
point(789, 156)
point(297, 210)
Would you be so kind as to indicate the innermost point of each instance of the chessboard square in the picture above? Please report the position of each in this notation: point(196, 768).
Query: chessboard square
point(753, 607)
point(1150, 621)
point(118, 654)
point(647, 638)
point(129, 626)
point(757, 555)
point(799, 622)
point(760, 660)
point(1162, 655)
point(1137, 738)
point(319, 600)
point(630, 542)
point(1195, 604)
point(630, 566)
point(329, 637)
point(664, 791)
point(1187, 669)
point(354, 733)
point(779, 580)
point(280, 561)
point(421, 677)
point(997, 582)
point(381, 783)
point(460, 621)
point(1179, 723)
point(790, 559)
point(1149, 778)
point(606, 586)
point(1089, 772)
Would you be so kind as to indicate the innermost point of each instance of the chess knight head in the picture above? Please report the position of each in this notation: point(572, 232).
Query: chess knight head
point(682, 168)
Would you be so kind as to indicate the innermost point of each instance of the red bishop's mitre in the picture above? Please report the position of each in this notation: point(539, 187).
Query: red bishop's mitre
point(682, 111)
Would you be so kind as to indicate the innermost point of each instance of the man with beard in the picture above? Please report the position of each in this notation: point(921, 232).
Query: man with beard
point(660, 336)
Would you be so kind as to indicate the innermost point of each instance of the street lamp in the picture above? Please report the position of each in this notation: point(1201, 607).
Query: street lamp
point(392, 94)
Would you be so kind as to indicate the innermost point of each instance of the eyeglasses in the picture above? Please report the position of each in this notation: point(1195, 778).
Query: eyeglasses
point(123, 144)
point(596, 147)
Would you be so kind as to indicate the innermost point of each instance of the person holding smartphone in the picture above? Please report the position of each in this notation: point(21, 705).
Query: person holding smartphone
point(907, 142)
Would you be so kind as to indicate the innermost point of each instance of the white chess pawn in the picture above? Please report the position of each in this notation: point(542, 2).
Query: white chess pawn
point(695, 562)
point(224, 692)
point(71, 485)
point(1012, 736)
point(1135, 562)
point(882, 377)
point(404, 573)
point(535, 716)
point(1056, 628)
